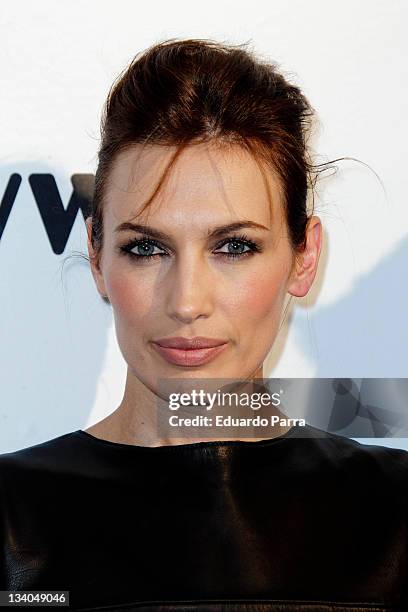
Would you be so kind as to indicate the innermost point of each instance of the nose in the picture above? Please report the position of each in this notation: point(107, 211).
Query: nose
point(189, 289)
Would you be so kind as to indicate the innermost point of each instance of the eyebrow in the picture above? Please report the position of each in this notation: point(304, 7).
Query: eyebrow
point(215, 232)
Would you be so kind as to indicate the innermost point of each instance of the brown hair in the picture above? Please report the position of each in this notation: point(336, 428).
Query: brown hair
point(181, 92)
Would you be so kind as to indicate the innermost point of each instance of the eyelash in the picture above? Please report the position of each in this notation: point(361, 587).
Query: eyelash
point(242, 238)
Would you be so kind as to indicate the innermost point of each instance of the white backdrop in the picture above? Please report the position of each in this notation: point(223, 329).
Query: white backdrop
point(60, 366)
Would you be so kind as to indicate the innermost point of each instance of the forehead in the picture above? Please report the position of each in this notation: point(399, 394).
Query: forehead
point(206, 183)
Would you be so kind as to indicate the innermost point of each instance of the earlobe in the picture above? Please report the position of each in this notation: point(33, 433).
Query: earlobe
point(305, 267)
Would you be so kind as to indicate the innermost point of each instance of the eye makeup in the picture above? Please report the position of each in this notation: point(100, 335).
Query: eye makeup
point(147, 243)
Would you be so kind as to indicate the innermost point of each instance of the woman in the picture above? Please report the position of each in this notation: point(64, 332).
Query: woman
point(199, 231)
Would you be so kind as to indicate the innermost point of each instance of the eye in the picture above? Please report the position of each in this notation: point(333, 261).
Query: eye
point(238, 246)
point(143, 249)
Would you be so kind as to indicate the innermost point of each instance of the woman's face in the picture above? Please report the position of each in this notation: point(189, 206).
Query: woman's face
point(205, 278)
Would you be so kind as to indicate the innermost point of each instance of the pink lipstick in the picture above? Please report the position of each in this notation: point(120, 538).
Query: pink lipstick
point(189, 351)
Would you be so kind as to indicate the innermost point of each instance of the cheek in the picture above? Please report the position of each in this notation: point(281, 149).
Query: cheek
point(131, 298)
point(259, 296)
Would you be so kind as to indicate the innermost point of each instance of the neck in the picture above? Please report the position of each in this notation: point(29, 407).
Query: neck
point(135, 421)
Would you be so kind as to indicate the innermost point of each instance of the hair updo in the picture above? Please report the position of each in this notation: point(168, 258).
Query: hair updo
point(181, 92)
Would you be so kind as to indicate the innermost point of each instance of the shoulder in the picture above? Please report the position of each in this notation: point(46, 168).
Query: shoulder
point(36, 479)
point(340, 456)
point(48, 457)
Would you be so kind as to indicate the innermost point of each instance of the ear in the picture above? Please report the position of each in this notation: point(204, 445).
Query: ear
point(95, 261)
point(305, 265)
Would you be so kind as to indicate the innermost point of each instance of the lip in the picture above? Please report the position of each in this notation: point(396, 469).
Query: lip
point(198, 342)
point(189, 351)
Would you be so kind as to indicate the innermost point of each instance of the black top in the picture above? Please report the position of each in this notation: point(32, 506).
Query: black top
point(268, 525)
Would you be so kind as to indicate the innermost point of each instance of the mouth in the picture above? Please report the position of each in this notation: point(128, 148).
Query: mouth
point(189, 351)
